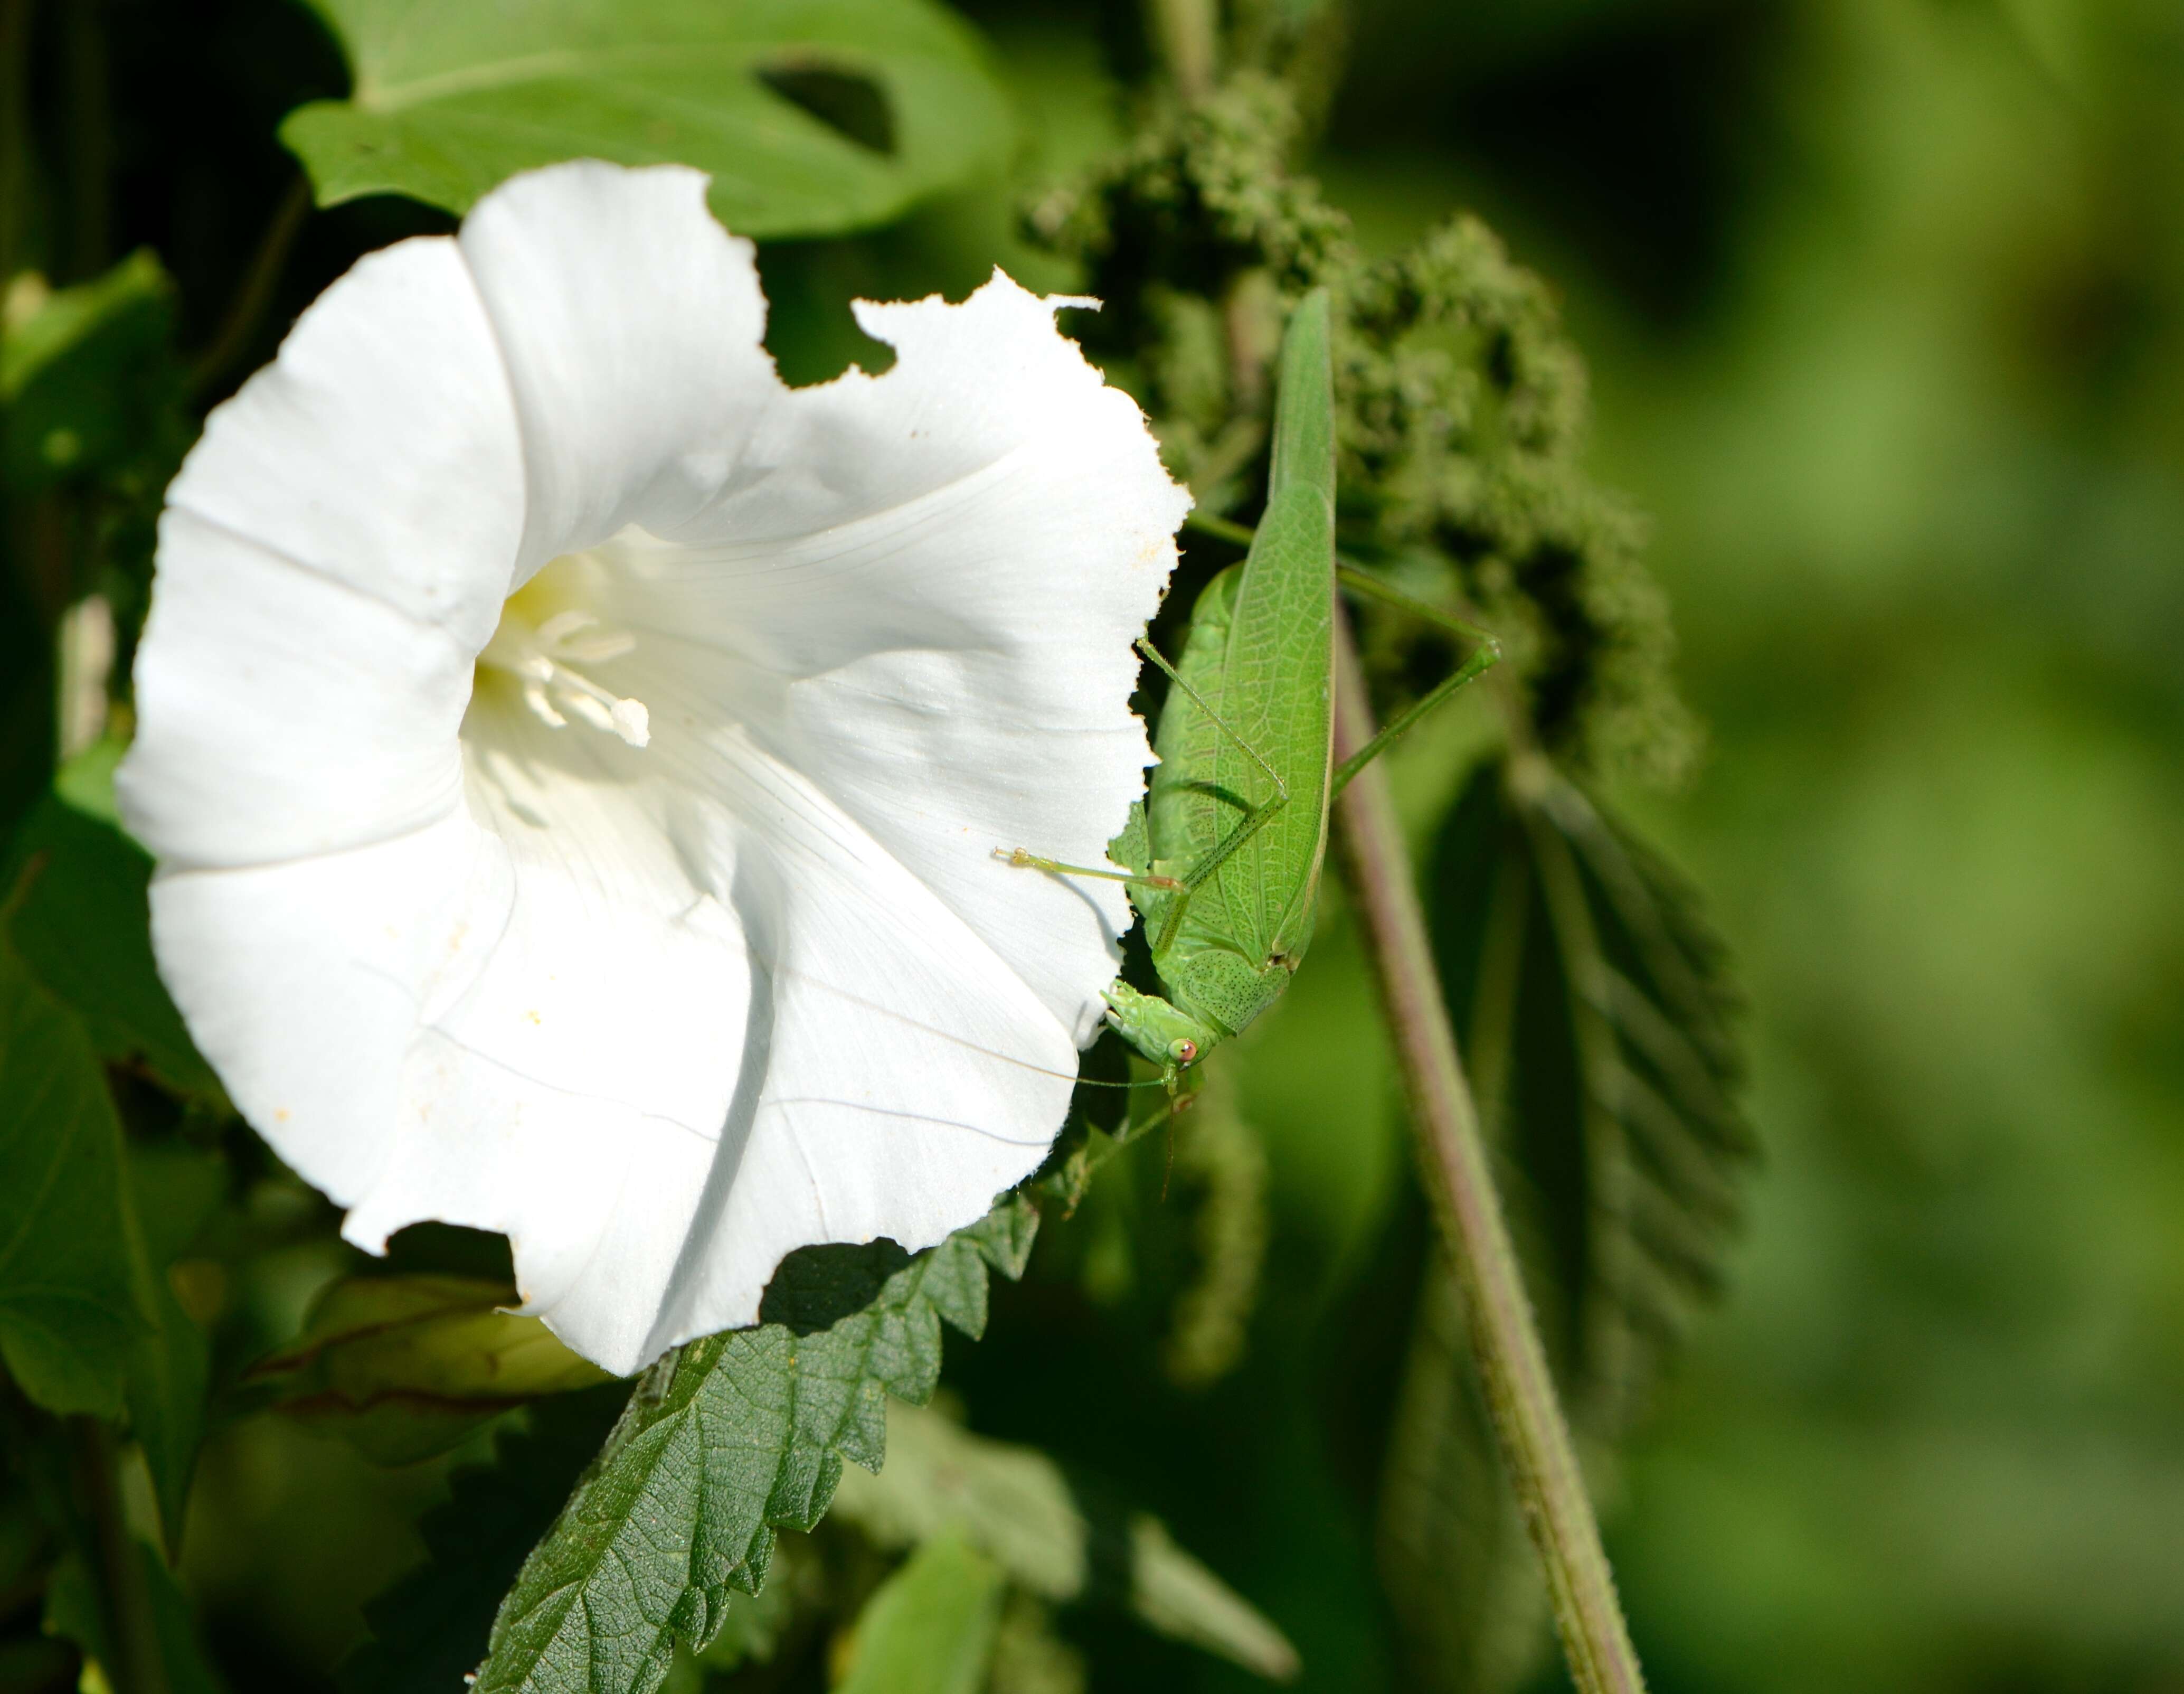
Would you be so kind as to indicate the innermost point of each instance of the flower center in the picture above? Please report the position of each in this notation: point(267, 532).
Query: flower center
point(543, 658)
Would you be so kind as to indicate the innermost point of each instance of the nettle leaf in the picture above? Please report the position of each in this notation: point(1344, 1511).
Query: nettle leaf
point(1015, 1505)
point(728, 1439)
point(813, 116)
point(73, 1300)
point(928, 1629)
point(82, 924)
point(1594, 1007)
point(405, 1366)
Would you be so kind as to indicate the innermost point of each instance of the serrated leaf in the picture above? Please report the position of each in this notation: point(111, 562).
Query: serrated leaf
point(73, 1301)
point(1593, 1006)
point(405, 1366)
point(1016, 1506)
point(813, 116)
point(728, 1439)
point(929, 1628)
point(83, 925)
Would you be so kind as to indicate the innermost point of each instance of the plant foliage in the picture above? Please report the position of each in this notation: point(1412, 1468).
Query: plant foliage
point(449, 100)
point(726, 1440)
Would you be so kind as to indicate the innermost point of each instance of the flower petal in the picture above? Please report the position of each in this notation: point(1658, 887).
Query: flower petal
point(380, 447)
point(335, 550)
point(303, 982)
point(661, 1015)
point(630, 324)
point(947, 565)
point(653, 1115)
point(282, 712)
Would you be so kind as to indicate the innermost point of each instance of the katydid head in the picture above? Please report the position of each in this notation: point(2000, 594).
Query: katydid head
point(1167, 1034)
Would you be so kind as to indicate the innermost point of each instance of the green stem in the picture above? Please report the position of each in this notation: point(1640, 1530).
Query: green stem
point(15, 134)
point(134, 1662)
point(90, 141)
point(232, 339)
point(1534, 1439)
point(1187, 39)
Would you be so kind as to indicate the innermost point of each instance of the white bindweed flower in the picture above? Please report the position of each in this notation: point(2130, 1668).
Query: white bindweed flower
point(575, 759)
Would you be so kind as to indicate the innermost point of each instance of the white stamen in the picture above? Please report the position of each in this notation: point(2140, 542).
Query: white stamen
point(534, 696)
point(544, 658)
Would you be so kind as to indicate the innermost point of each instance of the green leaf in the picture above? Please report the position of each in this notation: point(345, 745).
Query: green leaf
point(1015, 1505)
point(929, 1628)
point(1458, 1568)
point(405, 1366)
point(727, 1440)
point(813, 116)
point(1594, 1008)
point(82, 925)
point(429, 1630)
point(72, 1301)
point(73, 1611)
point(175, 1189)
point(89, 380)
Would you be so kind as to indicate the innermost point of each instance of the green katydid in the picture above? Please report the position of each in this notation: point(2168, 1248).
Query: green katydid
point(1223, 859)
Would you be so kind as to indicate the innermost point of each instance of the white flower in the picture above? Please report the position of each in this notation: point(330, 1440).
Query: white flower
point(575, 759)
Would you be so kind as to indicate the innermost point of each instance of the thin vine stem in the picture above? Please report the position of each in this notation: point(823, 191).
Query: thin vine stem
point(134, 1662)
point(1534, 1438)
point(255, 293)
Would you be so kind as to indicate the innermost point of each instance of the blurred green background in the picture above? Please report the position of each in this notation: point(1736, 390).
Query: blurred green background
point(1885, 307)
point(1884, 303)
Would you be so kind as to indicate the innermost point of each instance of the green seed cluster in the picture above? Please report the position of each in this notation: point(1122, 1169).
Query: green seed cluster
point(1461, 404)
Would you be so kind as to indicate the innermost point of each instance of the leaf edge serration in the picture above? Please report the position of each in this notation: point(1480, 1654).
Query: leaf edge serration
point(751, 1427)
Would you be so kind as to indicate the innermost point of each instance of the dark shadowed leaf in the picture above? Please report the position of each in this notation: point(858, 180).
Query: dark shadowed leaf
point(813, 116)
point(83, 927)
point(429, 1630)
point(1594, 1008)
point(89, 381)
point(176, 1189)
point(73, 1300)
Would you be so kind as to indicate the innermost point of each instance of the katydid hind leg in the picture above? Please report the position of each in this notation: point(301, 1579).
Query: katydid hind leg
point(1483, 658)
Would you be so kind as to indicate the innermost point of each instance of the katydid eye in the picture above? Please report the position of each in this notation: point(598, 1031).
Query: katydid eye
point(1183, 1049)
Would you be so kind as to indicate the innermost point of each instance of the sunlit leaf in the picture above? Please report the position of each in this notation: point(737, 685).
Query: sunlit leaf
point(929, 1628)
point(405, 1366)
point(726, 1441)
point(813, 116)
point(1015, 1505)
